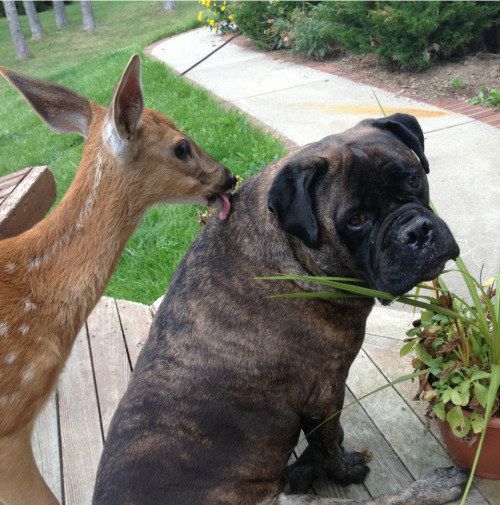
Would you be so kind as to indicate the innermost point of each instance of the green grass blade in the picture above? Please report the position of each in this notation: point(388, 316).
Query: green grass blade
point(368, 292)
point(496, 327)
point(308, 278)
point(492, 393)
point(471, 286)
point(378, 101)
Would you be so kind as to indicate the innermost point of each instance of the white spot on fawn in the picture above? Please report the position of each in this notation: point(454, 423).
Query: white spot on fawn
point(4, 400)
point(33, 263)
point(4, 328)
point(10, 357)
point(9, 267)
point(37, 261)
point(28, 374)
point(23, 329)
point(28, 305)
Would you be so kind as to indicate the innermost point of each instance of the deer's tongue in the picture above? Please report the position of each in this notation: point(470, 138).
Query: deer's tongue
point(226, 206)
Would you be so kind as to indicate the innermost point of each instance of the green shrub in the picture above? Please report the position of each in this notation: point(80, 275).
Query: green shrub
point(408, 35)
point(268, 23)
point(414, 34)
point(311, 36)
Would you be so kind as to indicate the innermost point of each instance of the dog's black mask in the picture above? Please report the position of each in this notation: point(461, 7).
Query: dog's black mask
point(375, 187)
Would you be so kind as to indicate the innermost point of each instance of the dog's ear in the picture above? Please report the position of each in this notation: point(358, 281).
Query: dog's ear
point(407, 129)
point(291, 198)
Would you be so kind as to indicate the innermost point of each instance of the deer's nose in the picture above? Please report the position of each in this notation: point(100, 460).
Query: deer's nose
point(230, 181)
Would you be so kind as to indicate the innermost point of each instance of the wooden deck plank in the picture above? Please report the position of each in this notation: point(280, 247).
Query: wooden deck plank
point(109, 355)
point(136, 320)
point(388, 474)
point(45, 443)
point(402, 428)
point(386, 356)
point(81, 436)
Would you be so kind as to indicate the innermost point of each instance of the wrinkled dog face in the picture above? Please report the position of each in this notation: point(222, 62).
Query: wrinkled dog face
point(360, 201)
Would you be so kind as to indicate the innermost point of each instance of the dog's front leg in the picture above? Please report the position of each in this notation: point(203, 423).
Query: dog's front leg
point(325, 457)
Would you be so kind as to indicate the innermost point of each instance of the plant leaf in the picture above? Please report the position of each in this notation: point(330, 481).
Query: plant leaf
point(408, 347)
point(481, 394)
point(446, 395)
point(458, 398)
point(459, 424)
point(439, 411)
point(476, 422)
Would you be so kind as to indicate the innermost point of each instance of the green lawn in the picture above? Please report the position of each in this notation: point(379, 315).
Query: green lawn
point(91, 64)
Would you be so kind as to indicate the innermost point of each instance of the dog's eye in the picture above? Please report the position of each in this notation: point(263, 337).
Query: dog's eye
point(357, 221)
point(414, 182)
point(182, 150)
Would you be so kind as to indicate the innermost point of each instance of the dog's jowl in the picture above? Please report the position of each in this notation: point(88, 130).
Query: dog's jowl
point(229, 376)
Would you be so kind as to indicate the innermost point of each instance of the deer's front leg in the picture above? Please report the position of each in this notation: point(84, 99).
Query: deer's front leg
point(325, 457)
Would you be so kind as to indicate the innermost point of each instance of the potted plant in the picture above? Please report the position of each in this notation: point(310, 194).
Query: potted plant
point(457, 353)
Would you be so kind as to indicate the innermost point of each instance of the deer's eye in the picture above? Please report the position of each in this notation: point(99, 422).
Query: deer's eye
point(357, 221)
point(182, 150)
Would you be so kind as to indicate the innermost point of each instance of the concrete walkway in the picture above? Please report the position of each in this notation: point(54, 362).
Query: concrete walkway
point(304, 105)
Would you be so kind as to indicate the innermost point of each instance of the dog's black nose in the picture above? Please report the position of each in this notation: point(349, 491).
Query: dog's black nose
point(418, 232)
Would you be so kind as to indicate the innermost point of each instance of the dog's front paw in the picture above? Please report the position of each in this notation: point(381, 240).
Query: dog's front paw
point(298, 478)
point(348, 468)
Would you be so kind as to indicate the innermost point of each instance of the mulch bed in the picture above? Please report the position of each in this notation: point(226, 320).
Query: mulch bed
point(433, 86)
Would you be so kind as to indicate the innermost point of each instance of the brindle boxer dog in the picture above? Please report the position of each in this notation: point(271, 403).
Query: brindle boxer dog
point(229, 376)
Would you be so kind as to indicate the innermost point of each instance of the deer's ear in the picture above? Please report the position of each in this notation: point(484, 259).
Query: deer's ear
point(63, 110)
point(127, 105)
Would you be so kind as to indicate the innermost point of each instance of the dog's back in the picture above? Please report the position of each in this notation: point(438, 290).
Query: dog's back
point(196, 404)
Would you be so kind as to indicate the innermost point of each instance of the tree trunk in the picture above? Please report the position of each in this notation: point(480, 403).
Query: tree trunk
point(20, 44)
point(61, 19)
point(88, 16)
point(169, 5)
point(33, 20)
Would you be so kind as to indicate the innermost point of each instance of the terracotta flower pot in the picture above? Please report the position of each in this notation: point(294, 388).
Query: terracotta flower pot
point(489, 462)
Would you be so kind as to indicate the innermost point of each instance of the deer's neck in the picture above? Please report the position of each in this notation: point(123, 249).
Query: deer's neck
point(67, 259)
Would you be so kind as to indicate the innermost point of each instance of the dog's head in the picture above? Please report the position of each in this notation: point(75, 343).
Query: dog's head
point(359, 202)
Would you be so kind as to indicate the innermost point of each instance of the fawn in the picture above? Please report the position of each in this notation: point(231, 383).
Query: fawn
point(52, 275)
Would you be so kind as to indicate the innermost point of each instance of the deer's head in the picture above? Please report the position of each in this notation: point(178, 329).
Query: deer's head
point(143, 150)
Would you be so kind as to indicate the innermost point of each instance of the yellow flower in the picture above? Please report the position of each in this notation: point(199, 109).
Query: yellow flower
point(200, 16)
point(230, 17)
point(211, 22)
point(222, 9)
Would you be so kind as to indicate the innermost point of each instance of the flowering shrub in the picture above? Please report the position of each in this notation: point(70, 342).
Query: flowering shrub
point(218, 15)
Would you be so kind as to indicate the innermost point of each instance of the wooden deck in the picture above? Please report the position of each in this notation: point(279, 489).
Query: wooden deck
point(69, 435)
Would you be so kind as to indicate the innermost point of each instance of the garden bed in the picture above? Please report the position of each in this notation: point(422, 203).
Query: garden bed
point(472, 72)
